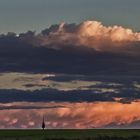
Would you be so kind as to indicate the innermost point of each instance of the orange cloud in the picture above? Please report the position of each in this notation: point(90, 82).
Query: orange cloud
point(77, 115)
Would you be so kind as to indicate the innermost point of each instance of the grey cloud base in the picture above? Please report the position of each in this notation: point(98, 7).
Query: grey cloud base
point(16, 56)
point(86, 48)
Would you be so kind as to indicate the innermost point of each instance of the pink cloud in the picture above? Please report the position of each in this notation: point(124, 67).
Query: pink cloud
point(77, 115)
point(90, 34)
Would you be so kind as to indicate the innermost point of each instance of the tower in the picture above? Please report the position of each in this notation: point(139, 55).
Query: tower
point(43, 123)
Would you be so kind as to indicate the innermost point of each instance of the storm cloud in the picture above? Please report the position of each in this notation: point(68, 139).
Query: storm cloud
point(85, 48)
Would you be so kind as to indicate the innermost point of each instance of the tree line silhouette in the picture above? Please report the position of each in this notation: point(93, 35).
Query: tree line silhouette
point(99, 138)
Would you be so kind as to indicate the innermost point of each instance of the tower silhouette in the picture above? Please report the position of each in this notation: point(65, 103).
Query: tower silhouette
point(43, 123)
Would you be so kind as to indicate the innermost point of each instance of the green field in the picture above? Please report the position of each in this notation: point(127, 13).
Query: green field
point(65, 134)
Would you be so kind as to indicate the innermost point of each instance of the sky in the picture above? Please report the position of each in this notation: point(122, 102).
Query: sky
point(20, 16)
point(72, 74)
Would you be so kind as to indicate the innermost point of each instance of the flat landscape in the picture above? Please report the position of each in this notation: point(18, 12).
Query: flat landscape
point(69, 70)
point(64, 134)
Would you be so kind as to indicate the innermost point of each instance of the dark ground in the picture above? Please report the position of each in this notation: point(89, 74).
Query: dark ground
point(90, 134)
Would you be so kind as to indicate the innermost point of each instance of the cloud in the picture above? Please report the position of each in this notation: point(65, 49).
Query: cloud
point(86, 35)
point(74, 115)
point(90, 34)
point(72, 48)
point(27, 106)
point(68, 87)
point(121, 92)
point(44, 95)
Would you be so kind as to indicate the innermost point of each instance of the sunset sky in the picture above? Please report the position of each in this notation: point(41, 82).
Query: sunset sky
point(80, 69)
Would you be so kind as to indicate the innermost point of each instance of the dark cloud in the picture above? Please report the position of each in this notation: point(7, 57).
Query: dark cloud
point(70, 28)
point(28, 107)
point(123, 79)
point(26, 58)
point(33, 85)
point(125, 94)
point(72, 88)
point(86, 48)
point(52, 95)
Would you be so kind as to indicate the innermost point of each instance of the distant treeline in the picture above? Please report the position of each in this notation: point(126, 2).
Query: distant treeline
point(98, 138)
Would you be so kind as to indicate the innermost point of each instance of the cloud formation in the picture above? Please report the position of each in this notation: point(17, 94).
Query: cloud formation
point(73, 115)
point(90, 34)
point(71, 48)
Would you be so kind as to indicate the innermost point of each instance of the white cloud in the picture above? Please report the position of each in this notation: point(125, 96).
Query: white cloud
point(91, 34)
